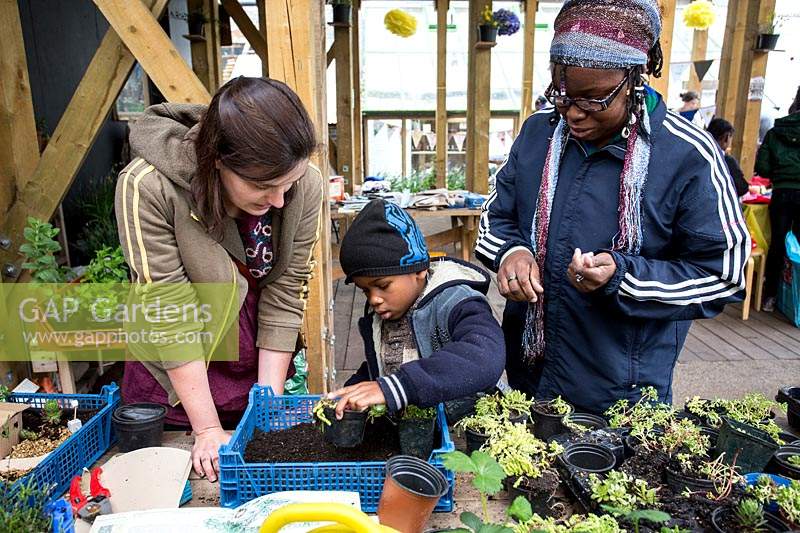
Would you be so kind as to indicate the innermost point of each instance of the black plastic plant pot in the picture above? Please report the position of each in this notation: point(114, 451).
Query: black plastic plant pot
point(341, 14)
point(347, 432)
point(590, 458)
point(139, 425)
point(723, 521)
point(488, 33)
point(546, 425)
point(540, 499)
point(515, 417)
point(780, 462)
point(679, 482)
point(767, 41)
point(750, 447)
point(455, 410)
point(417, 436)
point(791, 396)
point(587, 420)
point(632, 443)
point(475, 440)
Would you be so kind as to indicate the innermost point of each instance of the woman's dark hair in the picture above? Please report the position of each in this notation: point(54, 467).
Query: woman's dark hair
point(719, 128)
point(258, 128)
point(655, 63)
point(795, 107)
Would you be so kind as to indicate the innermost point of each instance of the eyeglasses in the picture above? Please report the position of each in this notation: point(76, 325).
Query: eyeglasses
point(590, 105)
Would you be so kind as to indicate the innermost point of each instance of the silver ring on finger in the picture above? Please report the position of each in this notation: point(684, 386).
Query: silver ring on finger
point(511, 278)
point(579, 278)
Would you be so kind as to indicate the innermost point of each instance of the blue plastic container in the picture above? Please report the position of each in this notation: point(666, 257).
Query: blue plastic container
point(240, 482)
point(780, 481)
point(81, 449)
point(789, 286)
point(61, 512)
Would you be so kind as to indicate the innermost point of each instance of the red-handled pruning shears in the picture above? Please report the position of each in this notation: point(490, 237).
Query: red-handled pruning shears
point(98, 501)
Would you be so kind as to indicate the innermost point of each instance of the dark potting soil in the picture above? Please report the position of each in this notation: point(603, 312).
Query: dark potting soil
point(304, 443)
point(33, 420)
point(546, 409)
point(546, 489)
point(604, 437)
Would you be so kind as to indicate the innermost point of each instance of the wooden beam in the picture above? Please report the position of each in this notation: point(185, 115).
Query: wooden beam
point(748, 140)
point(355, 119)
point(262, 29)
point(344, 104)
point(206, 58)
point(330, 56)
point(667, 26)
point(19, 148)
point(441, 92)
point(730, 63)
point(529, 31)
point(145, 38)
point(296, 33)
point(72, 138)
point(478, 105)
point(243, 22)
point(699, 50)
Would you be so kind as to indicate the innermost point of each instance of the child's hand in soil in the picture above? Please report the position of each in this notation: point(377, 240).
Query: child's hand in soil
point(357, 397)
point(205, 452)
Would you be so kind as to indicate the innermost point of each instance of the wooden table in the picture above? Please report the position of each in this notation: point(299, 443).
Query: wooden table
point(206, 494)
point(464, 225)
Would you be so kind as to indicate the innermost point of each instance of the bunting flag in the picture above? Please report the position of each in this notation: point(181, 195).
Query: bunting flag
point(459, 139)
point(701, 68)
point(377, 126)
point(416, 136)
point(431, 140)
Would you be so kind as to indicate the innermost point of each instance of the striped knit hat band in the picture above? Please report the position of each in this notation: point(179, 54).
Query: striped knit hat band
point(605, 34)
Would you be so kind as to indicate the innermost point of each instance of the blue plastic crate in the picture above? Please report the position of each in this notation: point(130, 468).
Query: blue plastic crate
point(240, 482)
point(81, 449)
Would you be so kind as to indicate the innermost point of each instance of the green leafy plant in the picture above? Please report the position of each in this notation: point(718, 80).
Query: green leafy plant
point(520, 454)
point(753, 409)
point(724, 477)
point(319, 410)
point(412, 412)
point(622, 492)
point(794, 460)
point(634, 517)
point(108, 266)
point(561, 407)
point(514, 401)
point(681, 438)
point(26, 434)
point(51, 412)
point(488, 17)
point(456, 179)
point(487, 475)
point(40, 250)
point(376, 411)
point(4, 393)
point(764, 490)
point(788, 499)
point(487, 418)
point(577, 523)
point(750, 515)
point(23, 508)
point(97, 207)
point(643, 416)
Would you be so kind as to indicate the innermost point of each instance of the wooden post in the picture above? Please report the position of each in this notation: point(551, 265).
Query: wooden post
point(19, 149)
point(145, 38)
point(441, 92)
point(731, 68)
point(243, 22)
point(404, 148)
point(746, 137)
point(699, 49)
point(344, 104)
point(72, 138)
point(478, 104)
point(355, 120)
point(262, 29)
point(529, 29)
point(296, 34)
point(206, 58)
point(667, 25)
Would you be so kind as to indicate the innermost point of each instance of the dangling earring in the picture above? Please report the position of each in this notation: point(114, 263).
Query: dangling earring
point(626, 131)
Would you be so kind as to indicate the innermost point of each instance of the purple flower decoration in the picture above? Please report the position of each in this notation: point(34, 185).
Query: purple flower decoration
point(507, 22)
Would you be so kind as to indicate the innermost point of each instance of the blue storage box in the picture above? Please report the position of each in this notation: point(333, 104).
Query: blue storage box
point(240, 482)
point(789, 286)
point(81, 449)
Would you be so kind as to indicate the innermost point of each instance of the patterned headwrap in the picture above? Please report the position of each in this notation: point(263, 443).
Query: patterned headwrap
point(597, 34)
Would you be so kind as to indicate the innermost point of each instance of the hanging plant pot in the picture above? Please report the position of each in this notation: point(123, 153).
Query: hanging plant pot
point(341, 14)
point(416, 436)
point(487, 33)
point(546, 421)
point(767, 41)
point(723, 520)
point(751, 447)
point(347, 432)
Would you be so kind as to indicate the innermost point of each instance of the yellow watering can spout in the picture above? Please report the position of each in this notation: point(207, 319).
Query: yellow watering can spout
point(347, 519)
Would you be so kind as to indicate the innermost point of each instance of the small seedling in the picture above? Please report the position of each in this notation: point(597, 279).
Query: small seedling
point(376, 411)
point(520, 454)
point(794, 460)
point(634, 517)
point(319, 410)
point(487, 476)
point(27, 434)
point(23, 508)
point(622, 492)
point(412, 412)
point(515, 401)
point(561, 407)
point(788, 499)
point(4, 393)
point(724, 477)
point(750, 516)
point(52, 412)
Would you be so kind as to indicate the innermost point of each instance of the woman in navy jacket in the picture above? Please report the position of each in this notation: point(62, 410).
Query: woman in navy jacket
point(613, 223)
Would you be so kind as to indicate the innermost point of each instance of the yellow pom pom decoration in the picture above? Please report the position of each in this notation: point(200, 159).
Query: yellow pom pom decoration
point(699, 15)
point(400, 23)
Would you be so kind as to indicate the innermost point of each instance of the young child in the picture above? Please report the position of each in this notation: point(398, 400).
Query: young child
point(429, 333)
